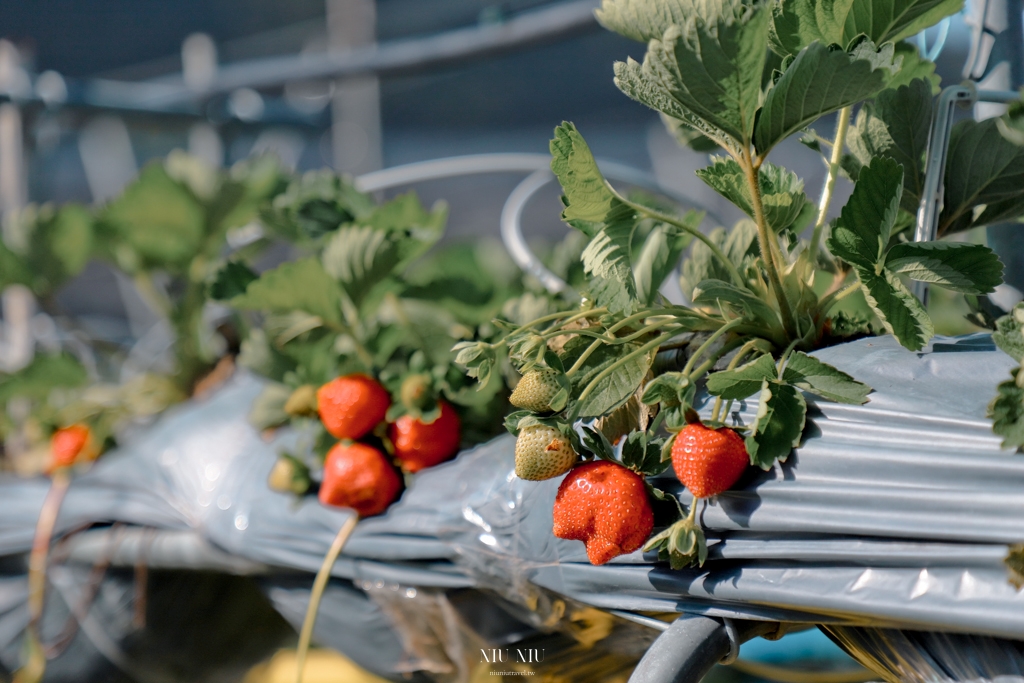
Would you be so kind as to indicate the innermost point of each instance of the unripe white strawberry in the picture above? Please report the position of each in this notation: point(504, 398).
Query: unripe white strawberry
point(536, 390)
point(542, 452)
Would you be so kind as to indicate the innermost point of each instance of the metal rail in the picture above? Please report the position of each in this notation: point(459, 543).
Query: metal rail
point(171, 95)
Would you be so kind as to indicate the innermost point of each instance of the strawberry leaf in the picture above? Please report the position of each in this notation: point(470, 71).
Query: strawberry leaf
point(642, 20)
point(798, 23)
point(1008, 335)
point(593, 208)
point(231, 281)
point(513, 419)
point(780, 423)
point(896, 125)
point(862, 231)
point(739, 246)
point(1007, 411)
point(901, 313)
point(782, 193)
point(615, 387)
point(706, 73)
point(742, 301)
point(959, 266)
point(810, 374)
point(659, 255)
point(642, 454)
point(744, 381)
point(984, 181)
point(598, 444)
point(817, 82)
point(297, 285)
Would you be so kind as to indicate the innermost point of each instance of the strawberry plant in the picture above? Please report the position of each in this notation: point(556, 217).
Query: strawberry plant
point(739, 78)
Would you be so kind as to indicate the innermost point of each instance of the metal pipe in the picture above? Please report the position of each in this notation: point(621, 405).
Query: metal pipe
point(691, 646)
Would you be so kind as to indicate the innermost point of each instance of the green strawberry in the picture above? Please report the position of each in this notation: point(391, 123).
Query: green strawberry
point(542, 452)
point(541, 391)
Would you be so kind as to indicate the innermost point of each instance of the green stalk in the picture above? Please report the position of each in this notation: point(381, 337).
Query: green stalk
point(831, 300)
point(764, 240)
point(744, 350)
point(614, 328)
point(709, 341)
point(715, 249)
point(842, 126)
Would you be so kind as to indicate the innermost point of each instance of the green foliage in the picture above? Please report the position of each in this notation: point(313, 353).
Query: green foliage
point(819, 81)
point(861, 237)
point(896, 125)
point(984, 182)
point(55, 245)
point(798, 23)
point(782, 193)
point(780, 422)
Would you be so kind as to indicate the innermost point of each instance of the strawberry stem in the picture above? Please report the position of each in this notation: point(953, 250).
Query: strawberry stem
point(709, 341)
point(744, 350)
point(317, 594)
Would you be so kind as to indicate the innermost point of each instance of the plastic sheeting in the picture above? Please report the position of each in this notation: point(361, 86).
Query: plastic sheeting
point(893, 514)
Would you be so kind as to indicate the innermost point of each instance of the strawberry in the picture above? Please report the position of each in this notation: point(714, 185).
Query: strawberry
point(536, 390)
point(542, 452)
point(358, 476)
point(415, 392)
point(352, 405)
point(302, 402)
point(71, 445)
point(708, 461)
point(421, 444)
point(289, 475)
point(604, 505)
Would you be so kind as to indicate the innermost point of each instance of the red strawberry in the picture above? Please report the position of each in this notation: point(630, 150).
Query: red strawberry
point(424, 444)
point(604, 505)
point(358, 476)
point(70, 445)
point(352, 405)
point(708, 461)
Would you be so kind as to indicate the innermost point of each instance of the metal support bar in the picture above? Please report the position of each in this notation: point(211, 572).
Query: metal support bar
point(930, 207)
point(691, 646)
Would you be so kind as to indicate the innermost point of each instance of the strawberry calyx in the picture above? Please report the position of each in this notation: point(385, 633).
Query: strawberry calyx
point(683, 543)
point(289, 475)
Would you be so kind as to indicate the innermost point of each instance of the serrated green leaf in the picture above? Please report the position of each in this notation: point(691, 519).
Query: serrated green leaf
point(643, 20)
point(158, 218)
point(297, 285)
point(1007, 411)
point(960, 266)
point(659, 255)
point(615, 388)
point(593, 208)
point(798, 23)
point(914, 67)
point(780, 423)
point(70, 239)
point(360, 257)
point(706, 73)
point(597, 443)
point(862, 232)
point(742, 301)
point(817, 82)
point(315, 204)
point(901, 313)
point(687, 136)
point(810, 374)
point(984, 182)
point(782, 192)
point(744, 381)
point(1008, 335)
point(231, 280)
point(739, 246)
point(896, 125)
point(607, 260)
